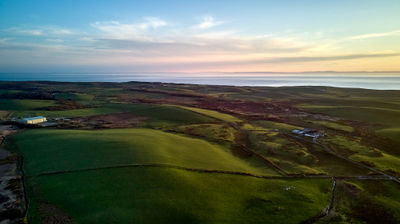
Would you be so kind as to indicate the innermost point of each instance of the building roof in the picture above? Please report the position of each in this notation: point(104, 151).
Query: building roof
point(33, 118)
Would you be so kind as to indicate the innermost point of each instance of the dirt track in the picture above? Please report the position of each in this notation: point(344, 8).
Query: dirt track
point(11, 185)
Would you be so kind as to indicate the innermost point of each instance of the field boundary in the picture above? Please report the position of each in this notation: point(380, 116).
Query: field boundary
point(210, 171)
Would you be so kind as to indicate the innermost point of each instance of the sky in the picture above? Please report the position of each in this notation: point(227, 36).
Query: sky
point(199, 36)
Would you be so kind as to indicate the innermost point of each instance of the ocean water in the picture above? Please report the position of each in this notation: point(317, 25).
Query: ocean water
point(383, 81)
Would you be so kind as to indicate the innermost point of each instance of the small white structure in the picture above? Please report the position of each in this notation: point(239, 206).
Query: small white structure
point(295, 131)
point(289, 188)
point(308, 132)
point(34, 120)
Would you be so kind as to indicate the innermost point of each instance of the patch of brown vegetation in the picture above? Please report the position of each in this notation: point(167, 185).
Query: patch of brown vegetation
point(49, 213)
point(118, 120)
point(4, 114)
point(66, 105)
point(162, 99)
point(350, 188)
point(249, 108)
point(241, 143)
point(166, 92)
point(52, 214)
point(32, 93)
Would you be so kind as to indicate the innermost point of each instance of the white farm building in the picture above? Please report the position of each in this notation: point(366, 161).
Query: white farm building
point(33, 120)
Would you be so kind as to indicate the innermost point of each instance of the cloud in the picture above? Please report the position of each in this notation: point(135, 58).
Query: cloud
point(374, 35)
point(115, 28)
point(208, 22)
point(87, 39)
point(216, 34)
point(40, 31)
point(31, 32)
point(194, 45)
point(61, 31)
point(330, 58)
point(55, 40)
point(152, 22)
point(142, 44)
point(128, 30)
point(4, 40)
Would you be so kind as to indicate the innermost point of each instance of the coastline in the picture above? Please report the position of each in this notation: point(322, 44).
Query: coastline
point(365, 81)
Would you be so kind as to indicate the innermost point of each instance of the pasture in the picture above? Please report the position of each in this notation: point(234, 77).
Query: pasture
point(165, 195)
point(81, 149)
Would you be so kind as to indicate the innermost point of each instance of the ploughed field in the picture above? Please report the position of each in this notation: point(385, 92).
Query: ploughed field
point(173, 153)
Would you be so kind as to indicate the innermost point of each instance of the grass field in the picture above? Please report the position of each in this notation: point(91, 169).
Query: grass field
point(21, 105)
point(74, 96)
point(66, 113)
point(388, 115)
point(384, 116)
point(160, 115)
point(365, 201)
point(393, 133)
point(276, 125)
point(214, 114)
point(362, 153)
point(163, 195)
point(163, 115)
point(210, 131)
point(106, 195)
point(334, 125)
point(183, 164)
point(90, 149)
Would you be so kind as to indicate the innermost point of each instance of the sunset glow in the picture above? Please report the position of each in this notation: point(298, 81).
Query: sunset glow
point(199, 36)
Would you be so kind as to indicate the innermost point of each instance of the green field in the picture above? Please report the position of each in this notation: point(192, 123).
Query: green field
point(163, 195)
point(65, 113)
point(388, 117)
point(74, 96)
point(359, 152)
point(393, 133)
point(163, 115)
point(214, 114)
point(365, 202)
point(210, 131)
point(276, 125)
point(178, 153)
point(384, 116)
point(160, 115)
point(23, 105)
point(106, 194)
point(103, 148)
point(334, 125)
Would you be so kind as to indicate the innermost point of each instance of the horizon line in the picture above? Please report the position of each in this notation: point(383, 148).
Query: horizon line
point(206, 72)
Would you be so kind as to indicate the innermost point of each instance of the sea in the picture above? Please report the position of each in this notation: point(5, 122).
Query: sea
point(378, 81)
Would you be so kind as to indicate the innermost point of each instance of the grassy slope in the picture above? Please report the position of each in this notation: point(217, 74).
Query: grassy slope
point(20, 105)
point(209, 131)
point(163, 195)
point(160, 115)
point(66, 113)
point(374, 107)
point(163, 115)
point(54, 150)
point(381, 160)
point(384, 116)
point(294, 157)
point(214, 114)
point(276, 125)
point(124, 195)
point(334, 125)
point(365, 201)
point(393, 133)
point(74, 96)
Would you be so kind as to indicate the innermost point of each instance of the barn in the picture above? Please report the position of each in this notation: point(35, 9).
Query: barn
point(34, 120)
